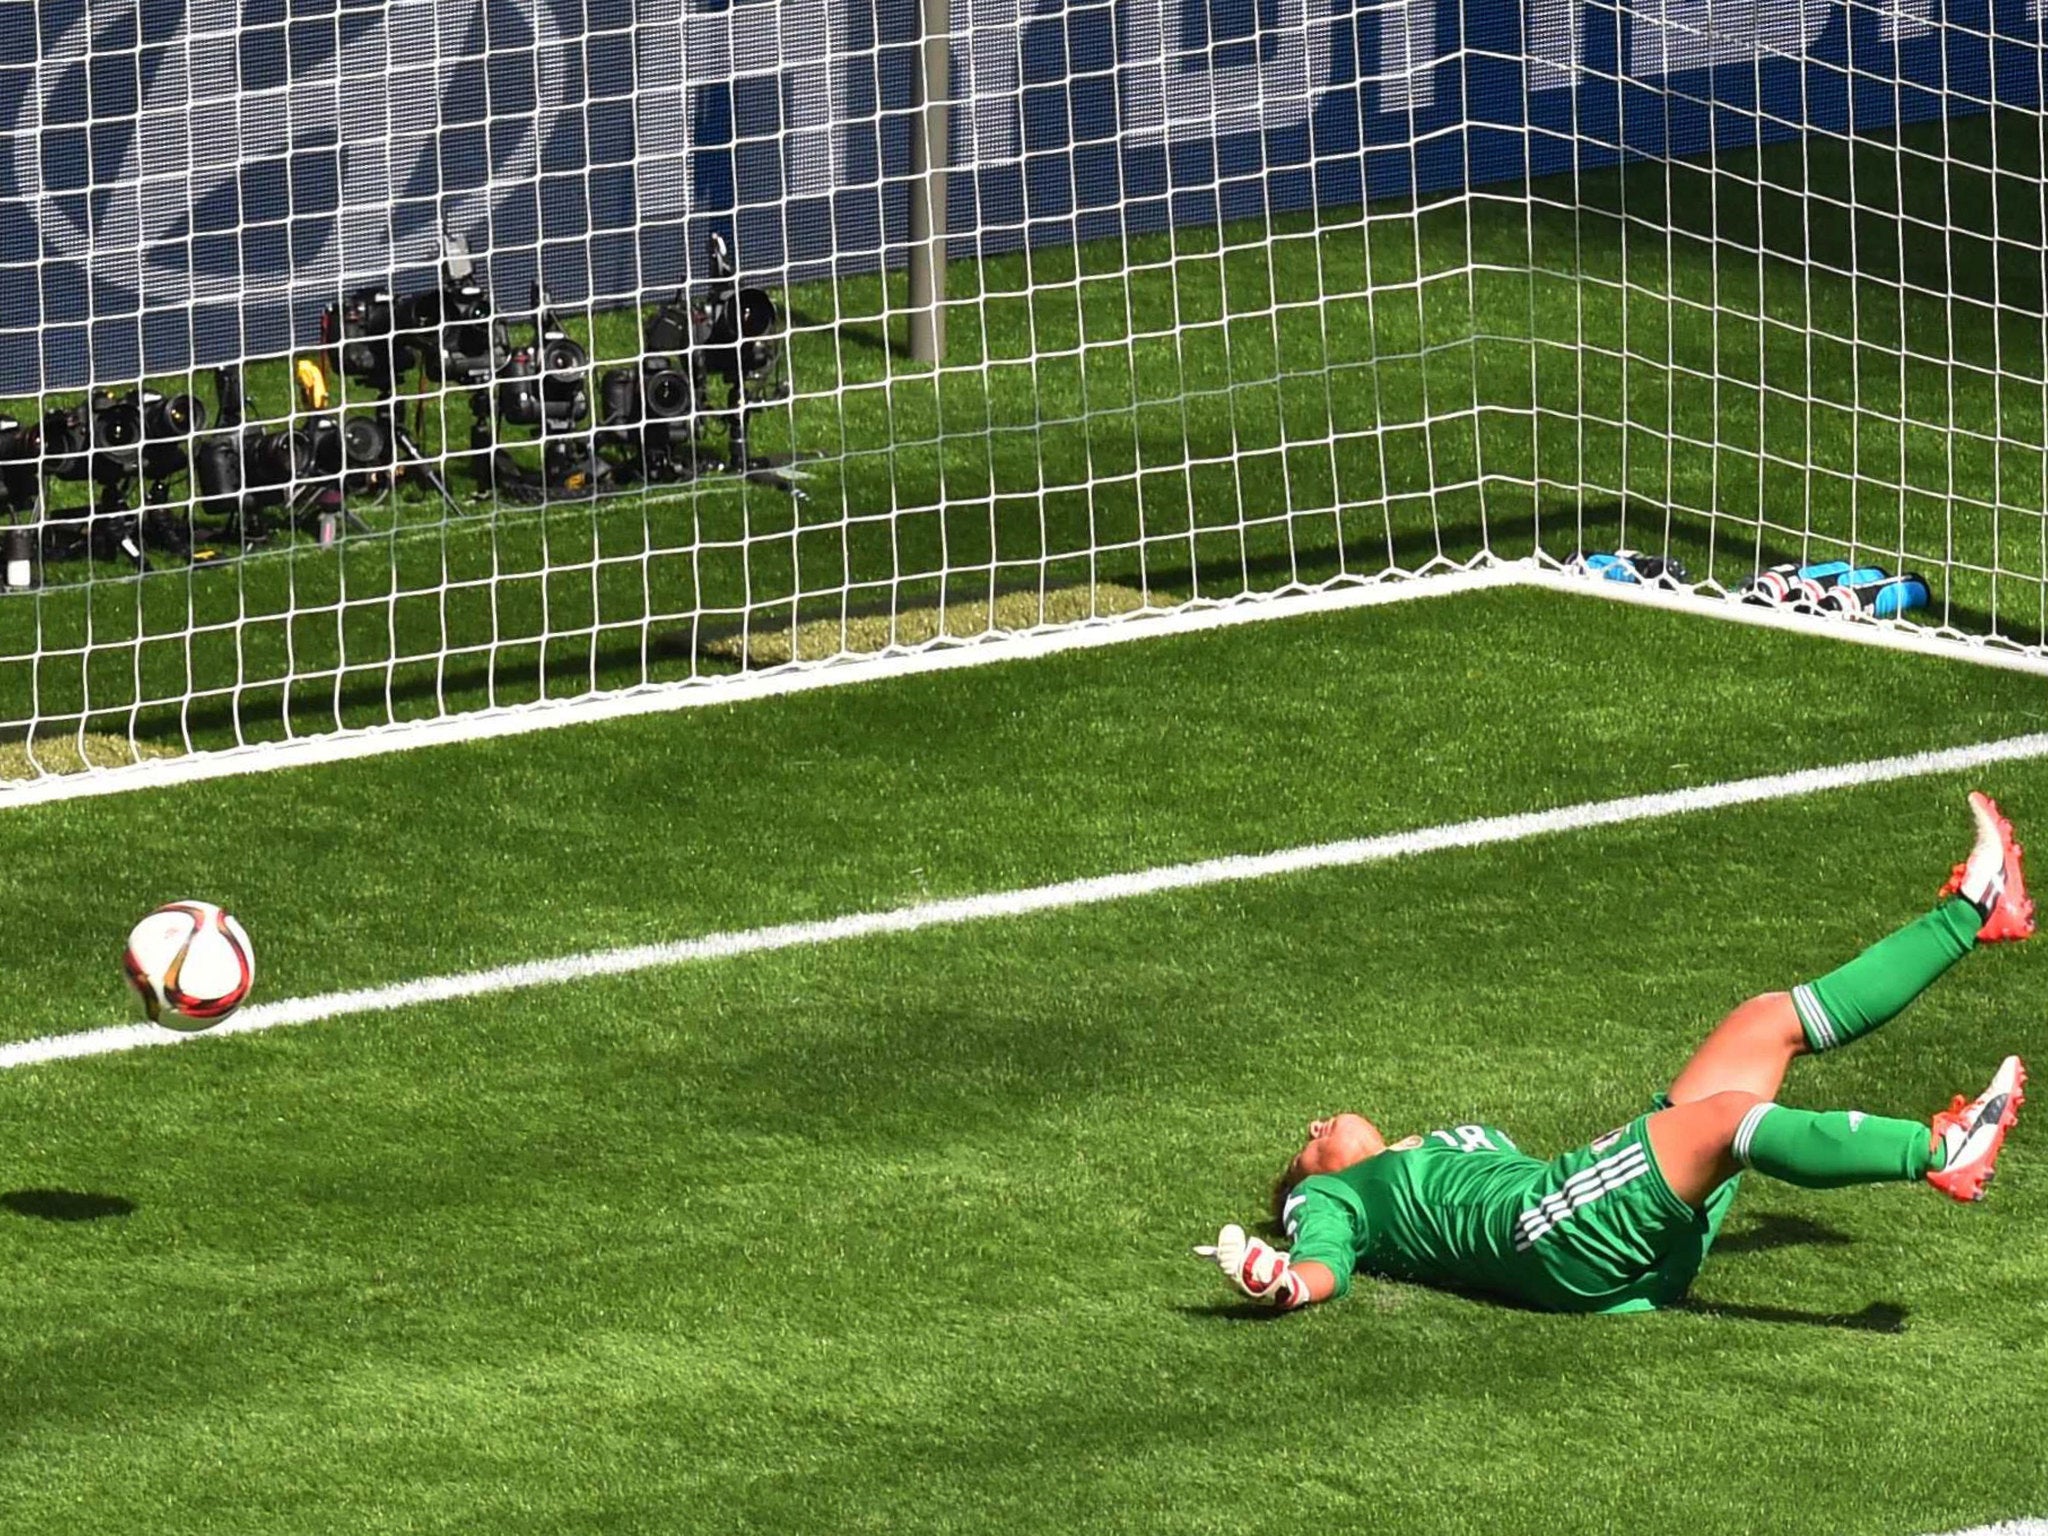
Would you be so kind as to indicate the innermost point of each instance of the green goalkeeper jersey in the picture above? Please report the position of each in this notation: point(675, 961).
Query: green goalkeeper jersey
point(1595, 1230)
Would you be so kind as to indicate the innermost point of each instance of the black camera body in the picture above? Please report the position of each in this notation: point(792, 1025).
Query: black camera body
point(735, 338)
point(452, 332)
point(150, 436)
point(714, 357)
point(649, 420)
point(542, 387)
point(80, 440)
point(361, 341)
point(116, 441)
point(546, 384)
point(241, 473)
point(446, 332)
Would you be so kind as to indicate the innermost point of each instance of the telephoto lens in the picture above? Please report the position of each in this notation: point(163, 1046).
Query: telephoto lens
point(172, 416)
point(168, 425)
point(364, 443)
point(669, 394)
point(115, 421)
point(278, 458)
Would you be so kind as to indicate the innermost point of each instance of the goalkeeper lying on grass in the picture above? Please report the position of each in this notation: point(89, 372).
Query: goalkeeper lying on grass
point(1622, 1225)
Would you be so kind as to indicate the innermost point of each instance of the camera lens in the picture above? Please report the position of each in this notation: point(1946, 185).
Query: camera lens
point(757, 313)
point(668, 394)
point(278, 458)
point(116, 421)
point(564, 363)
point(66, 437)
point(178, 416)
point(364, 444)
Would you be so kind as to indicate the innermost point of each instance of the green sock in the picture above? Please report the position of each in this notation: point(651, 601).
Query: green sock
point(1826, 1149)
point(1875, 987)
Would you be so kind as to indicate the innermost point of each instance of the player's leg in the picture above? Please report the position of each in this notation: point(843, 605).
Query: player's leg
point(1701, 1144)
point(1748, 1052)
point(1985, 900)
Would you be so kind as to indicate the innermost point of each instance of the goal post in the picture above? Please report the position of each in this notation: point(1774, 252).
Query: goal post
point(929, 156)
point(372, 373)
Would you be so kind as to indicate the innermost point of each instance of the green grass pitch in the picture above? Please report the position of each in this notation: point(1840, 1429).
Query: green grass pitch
point(892, 1235)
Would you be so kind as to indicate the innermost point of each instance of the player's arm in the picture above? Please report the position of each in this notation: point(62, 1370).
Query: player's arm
point(1318, 1268)
point(1316, 1277)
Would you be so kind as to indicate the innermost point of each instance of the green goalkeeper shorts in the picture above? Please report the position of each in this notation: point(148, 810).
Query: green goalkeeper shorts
point(1599, 1230)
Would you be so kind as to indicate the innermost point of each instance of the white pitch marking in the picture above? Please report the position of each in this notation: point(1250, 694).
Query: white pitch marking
point(2007, 1528)
point(947, 654)
point(1046, 898)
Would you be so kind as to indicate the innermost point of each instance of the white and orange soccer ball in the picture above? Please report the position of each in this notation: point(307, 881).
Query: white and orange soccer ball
point(190, 963)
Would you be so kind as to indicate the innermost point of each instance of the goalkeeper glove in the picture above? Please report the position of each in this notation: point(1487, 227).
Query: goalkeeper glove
point(1255, 1267)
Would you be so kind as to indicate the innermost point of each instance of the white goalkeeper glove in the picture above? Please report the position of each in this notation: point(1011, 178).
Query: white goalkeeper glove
point(1255, 1267)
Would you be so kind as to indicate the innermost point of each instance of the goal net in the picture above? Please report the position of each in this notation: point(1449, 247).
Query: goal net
point(372, 365)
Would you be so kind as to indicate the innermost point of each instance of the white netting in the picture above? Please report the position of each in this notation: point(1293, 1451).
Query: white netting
point(1809, 326)
point(1244, 296)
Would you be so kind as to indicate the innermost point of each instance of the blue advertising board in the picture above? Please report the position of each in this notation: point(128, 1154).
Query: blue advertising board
point(183, 181)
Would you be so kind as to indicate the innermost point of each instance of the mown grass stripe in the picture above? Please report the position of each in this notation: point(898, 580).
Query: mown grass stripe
point(1044, 898)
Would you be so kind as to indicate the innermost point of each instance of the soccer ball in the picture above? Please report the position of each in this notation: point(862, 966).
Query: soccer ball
point(190, 963)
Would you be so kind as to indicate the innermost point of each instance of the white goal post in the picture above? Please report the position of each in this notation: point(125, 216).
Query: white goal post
point(376, 371)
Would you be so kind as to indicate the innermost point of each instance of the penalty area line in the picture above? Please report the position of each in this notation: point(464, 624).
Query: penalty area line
point(1478, 833)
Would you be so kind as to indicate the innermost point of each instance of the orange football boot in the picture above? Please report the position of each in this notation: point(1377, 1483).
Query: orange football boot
point(1991, 878)
point(1972, 1133)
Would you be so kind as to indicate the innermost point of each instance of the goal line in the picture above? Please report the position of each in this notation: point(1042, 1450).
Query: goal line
point(1487, 572)
point(1351, 853)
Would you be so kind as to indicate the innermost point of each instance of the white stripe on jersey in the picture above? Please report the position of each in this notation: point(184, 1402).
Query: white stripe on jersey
point(1568, 1195)
point(1579, 1191)
point(1559, 1207)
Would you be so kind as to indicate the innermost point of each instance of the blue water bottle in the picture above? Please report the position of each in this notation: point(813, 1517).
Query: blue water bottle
point(1817, 581)
point(1881, 597)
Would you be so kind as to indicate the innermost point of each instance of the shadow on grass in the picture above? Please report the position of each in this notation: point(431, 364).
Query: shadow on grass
point(870, 336)
point(516, 671)
point(1230, 1312)
point(65, 1204)
point(1877, 1317)
point(1770, 1231)
point(1956, 218)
